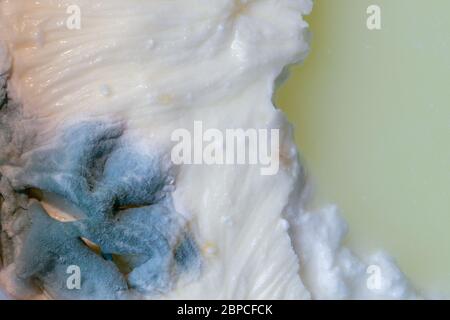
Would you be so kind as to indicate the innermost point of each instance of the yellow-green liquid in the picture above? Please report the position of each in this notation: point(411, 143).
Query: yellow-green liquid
point(372, 117)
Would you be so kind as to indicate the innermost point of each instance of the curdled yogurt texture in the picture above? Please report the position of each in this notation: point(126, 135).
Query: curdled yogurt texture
point(85, 168)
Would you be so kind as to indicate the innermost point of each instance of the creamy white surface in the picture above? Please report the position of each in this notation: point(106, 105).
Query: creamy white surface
point(160, 65)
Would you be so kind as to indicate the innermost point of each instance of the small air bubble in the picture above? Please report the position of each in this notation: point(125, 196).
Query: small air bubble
point(105, 90)
point(227, 220)
point(284, 224)
point(150, 44)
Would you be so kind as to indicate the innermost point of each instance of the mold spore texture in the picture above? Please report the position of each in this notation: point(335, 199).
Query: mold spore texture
point(124, 233)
